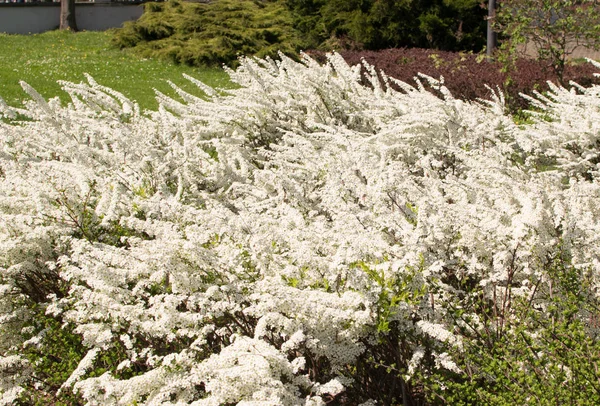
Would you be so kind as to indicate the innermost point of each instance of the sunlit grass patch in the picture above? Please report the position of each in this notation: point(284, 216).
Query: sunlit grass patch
point(43, 59)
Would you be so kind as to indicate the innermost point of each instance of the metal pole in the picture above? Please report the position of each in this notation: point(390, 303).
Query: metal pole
point(492, 40)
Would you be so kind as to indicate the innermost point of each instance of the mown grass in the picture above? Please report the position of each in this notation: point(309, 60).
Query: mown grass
point(43, 59)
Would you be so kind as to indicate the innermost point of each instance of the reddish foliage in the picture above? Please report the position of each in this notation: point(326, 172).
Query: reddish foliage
point(465, 76)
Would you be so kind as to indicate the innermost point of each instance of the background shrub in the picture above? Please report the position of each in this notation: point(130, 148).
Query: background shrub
point(466, 74)
point(210, 33)
point(447, 24)
point(218, 32)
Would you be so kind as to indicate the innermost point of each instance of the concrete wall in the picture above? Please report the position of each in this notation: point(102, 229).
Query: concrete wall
point(31, 18)
point(530, 50)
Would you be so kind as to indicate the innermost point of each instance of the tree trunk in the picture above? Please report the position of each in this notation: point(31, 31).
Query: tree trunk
point(491, 35)
point(67, 15)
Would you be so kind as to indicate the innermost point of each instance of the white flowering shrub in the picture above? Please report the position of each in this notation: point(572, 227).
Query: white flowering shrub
point(306, 238)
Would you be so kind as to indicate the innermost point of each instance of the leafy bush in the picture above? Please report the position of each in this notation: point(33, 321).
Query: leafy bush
point(540, 349)
point(554, 28)
point(451, 25)
point(213, 33)
point(303, 239)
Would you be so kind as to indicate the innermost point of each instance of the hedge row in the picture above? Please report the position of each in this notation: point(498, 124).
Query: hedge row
point(466, 75)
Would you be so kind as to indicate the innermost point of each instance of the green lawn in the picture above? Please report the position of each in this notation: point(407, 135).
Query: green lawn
point(42, 59)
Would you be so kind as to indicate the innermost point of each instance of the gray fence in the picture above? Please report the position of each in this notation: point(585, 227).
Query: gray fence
point(37, 17)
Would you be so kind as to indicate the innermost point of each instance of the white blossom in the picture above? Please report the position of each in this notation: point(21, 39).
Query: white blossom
point(223, 246)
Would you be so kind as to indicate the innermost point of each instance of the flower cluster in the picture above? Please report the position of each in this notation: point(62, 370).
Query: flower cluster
point(270, 244)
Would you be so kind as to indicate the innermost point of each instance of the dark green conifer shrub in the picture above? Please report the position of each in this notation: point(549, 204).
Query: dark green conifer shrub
point(452, 25)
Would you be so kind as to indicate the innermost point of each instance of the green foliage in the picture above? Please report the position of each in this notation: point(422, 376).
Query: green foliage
point(538, 349)
point(395, 291)
point(440, 24)
point(54, 356)
point(380, 372)
point(218, 32)
point(205, 34)
point(555, 28)
point(55, 352)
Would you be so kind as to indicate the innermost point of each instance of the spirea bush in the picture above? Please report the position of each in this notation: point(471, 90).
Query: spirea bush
point(469, 76)
point(303, 239)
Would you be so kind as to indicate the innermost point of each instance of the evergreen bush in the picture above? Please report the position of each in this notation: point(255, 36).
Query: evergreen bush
point(211, 34)
point(451, 25)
